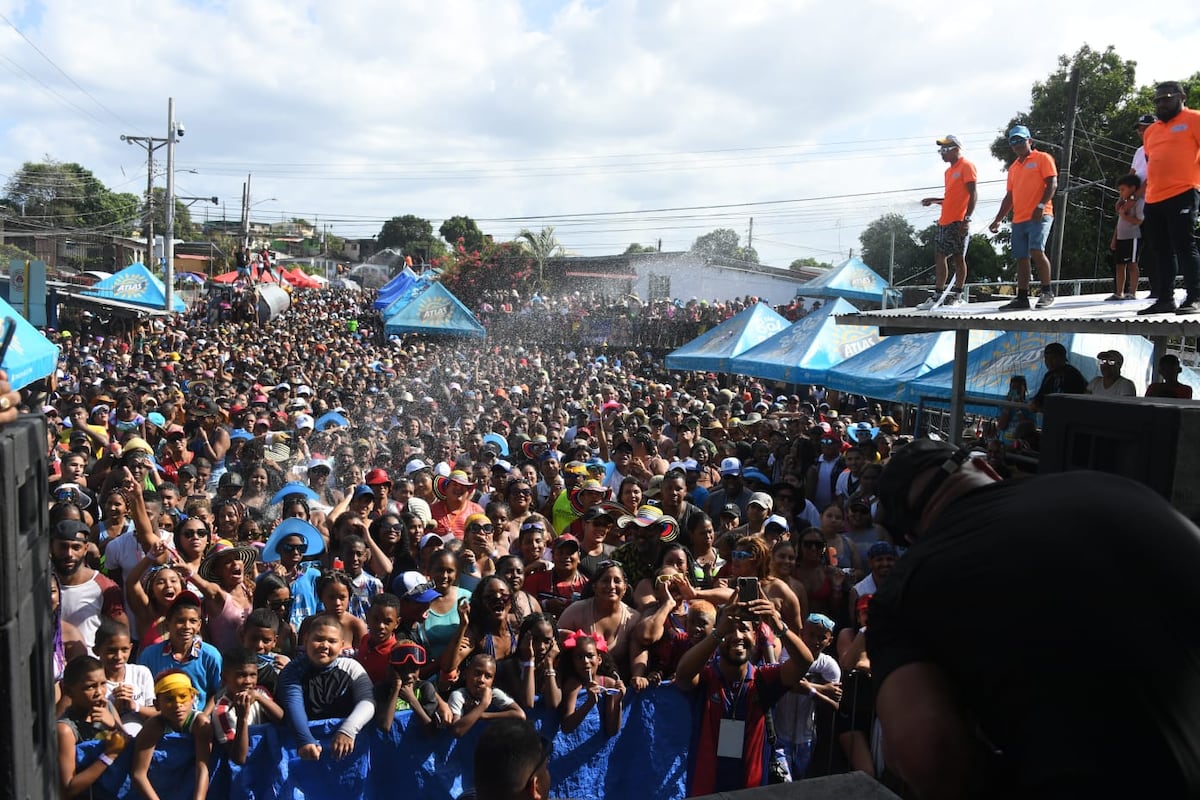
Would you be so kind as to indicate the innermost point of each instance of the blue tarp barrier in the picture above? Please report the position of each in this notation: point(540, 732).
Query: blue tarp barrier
point(714, 349)
point(646, 759)
point(804, 352)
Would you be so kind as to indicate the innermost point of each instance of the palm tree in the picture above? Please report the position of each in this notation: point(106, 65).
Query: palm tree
point(541, 246)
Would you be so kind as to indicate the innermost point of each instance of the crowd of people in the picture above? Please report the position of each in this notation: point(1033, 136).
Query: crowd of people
point(308, 520)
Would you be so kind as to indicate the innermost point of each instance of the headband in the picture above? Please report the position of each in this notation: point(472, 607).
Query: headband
point(578, 636)
point(174, 682)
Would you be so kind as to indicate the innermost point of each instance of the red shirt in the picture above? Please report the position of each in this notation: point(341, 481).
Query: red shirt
point(762, 688)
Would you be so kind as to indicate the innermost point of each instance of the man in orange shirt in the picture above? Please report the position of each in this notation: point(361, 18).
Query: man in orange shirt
point(1172, 195)
point(954, 224)
point(1032, 180)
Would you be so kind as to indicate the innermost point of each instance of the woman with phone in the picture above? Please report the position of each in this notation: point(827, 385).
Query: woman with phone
point(752, 559)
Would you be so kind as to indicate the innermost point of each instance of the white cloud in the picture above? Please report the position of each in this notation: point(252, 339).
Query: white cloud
point(358, 111)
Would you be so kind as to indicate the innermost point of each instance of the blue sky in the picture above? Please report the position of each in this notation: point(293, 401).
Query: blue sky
point(591, 116)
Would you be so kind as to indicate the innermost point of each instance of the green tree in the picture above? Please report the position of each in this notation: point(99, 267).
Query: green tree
point(912, 256)
point(636, 248)
point(541, 246)
point(984, 263)
point(412, 236)
point(463, 228)
point(497, 266)
point(720, 243)
point(184, 229)
point(52, 195)
point(808, 262)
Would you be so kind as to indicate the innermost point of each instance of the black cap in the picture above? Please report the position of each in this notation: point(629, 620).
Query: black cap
point(897, 513)
point(1147, 119)
point(70, 530)
point(231, 479)
point(595, 512)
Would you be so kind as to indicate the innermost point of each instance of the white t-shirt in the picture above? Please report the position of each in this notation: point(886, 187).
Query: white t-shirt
point(1122, 387)
point(458, 702)
point(794, 712)
point(124, 553)
point(1139, 164)
point(142, 681)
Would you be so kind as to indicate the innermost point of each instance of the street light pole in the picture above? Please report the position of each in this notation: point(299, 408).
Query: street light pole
point(169, 237)
point(151, 143)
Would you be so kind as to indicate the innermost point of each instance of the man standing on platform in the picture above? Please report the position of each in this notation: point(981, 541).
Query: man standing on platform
point(1172, 195)
point(954, 224)
point(1032, 181)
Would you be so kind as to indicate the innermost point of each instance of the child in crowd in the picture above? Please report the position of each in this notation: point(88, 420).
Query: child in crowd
point(130, 687)
point(402, 690)
point(176, 698)
point(586, 665)
point(333, 590)
point(383, 617)
point(321, 684)
point(363, 585)
point(241, 702)
point(1126, 241)
point(186, 651)
point(259, 637)
point(88, 716)
point(531, 674)
point(477, 699)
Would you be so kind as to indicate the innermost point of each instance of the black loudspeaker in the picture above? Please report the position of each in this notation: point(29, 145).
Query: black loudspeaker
point(28, 746)
point(852, 786)
point(1154, 441)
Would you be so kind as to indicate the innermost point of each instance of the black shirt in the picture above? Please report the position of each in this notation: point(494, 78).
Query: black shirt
point(1064, 611)
point(1063, 380)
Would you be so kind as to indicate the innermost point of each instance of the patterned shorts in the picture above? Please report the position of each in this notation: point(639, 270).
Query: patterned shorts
point(951, 240)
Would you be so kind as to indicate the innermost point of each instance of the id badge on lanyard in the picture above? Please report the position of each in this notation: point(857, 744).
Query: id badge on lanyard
point(731, 738)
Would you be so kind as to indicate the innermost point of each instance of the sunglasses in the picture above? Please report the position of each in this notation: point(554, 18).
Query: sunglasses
point(194, 533)
point(414, 657)
point(533, 526)
point(666, 578)
point(480, 528)
point(279, 605)
point(741, 555)
point(292, 548)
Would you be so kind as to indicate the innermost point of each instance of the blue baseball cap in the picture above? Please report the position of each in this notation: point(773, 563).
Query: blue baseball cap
point(1018, 132)
point(820, 619)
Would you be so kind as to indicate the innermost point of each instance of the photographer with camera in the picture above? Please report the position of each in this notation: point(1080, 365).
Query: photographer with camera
point(731, 750)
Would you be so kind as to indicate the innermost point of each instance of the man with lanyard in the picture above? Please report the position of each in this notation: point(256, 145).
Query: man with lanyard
point(731, 746)
point(1172, 196)
point(1032, 181)
point(954, 224)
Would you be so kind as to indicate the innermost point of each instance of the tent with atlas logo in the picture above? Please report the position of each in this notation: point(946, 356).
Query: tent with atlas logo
point(435, 311)
point(137, 285)
point(851, 280)
point(714, 349)
point(807, 350)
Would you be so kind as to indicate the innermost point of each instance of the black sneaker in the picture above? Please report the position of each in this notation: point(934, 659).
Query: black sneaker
point(1190, 305)
point(1018, 303)
point(1160, 306)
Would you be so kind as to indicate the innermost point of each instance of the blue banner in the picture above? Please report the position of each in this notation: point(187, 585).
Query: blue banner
point(646, 759)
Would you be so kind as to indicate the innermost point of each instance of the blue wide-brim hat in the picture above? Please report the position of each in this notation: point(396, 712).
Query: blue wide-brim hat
point(293, 526)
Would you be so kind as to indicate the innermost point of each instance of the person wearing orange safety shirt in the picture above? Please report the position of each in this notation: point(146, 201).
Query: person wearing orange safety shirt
point(1032, 181)
point(954, 224)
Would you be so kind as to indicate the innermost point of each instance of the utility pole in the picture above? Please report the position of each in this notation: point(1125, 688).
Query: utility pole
point(169, 235)
point(1064, 178)
point(151, 143)
point(246, 212)
point(891, 267)
point(750, 236)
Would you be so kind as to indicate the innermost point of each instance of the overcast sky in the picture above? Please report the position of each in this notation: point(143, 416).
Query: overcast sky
point(616, 122)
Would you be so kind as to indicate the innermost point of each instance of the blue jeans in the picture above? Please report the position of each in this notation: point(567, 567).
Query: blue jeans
point(799, 754)
point(1030, 235)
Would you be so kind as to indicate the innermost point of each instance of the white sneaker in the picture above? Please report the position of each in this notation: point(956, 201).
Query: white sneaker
point(927, 305)
point(952, 299)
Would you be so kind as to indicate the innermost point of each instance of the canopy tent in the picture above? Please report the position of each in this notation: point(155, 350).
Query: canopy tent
point(400, 300)
point(256, 276)
point(804, 352)
point(435, 311)
point(136, 285)
point(371, 276)
point(300, 278)
point(887, 369)
point(852, 280)
point(713, 350)
point(394, 288)
point(991, 365)
point(31, 355)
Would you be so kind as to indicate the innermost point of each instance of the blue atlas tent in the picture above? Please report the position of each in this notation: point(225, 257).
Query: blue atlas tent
point(30, 355)
point(852, 280)
point(394, 288)
point(435, 311)
point(887, 369)
point(804, 352)
point(137, 285)
point(713, 349)
point(991, 365)
point(400, 300)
